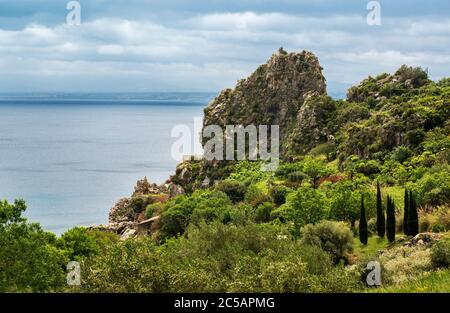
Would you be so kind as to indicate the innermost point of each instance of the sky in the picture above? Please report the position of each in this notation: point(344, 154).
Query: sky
point(195, 45)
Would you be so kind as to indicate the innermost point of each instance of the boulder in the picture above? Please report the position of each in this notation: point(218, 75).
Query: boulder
point(424, 239)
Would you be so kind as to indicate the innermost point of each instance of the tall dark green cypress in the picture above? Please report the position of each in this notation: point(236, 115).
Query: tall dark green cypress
point(381, 221)
point(413, 218)
point(363, 223)
point(405, 212)
point(390, 220)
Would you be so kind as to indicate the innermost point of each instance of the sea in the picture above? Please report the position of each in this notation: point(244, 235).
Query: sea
point(71, 156)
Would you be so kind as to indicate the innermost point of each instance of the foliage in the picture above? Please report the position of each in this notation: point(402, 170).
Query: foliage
point(333, 237)
point(153, 209)
point(79, 242)
point(29, 260)
point(413, 218)
point(405, 263)
point(233, 189)
point(437, 220)
point(390, 220)
point(279, 194)
point(304, 206)
point(363, 234)
point(263, 212)
point(202, 205)
point(216, 258)
point(405, 212)
point(381, 222)
point(440, 253)
point(256, 196)
point(345, 198)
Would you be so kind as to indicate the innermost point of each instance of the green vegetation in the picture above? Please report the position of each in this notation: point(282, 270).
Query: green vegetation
point(390, 220)
point(381, 222)
point(363, 224)
point(240, 229)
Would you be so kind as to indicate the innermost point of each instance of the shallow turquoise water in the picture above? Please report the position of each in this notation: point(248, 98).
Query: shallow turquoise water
point(72, 156)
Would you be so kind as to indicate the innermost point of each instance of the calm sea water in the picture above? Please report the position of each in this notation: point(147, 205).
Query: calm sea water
point(71, 156)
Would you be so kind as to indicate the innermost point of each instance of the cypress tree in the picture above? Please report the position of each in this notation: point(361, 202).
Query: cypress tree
point(381, 222)
point(413, 219)
point(405, 212)
point(390, 220)
point(363, 223)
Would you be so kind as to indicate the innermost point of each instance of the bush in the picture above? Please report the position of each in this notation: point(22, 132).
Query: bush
point(333, 237)
point(139, 203)
point(79, 242)
point(401, 154)
point(437, 220)
point(434, 187)
point(278, 194)
point(233, 189)
point(152, 209)
point(29, 259)
point(306, 205)
point(256, 196)
point(263, 211)
point(404, 263)
point(297, 177)
point(345, 197)
point(440, 254)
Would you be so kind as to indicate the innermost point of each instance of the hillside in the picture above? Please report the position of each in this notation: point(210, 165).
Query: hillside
point(362, 179)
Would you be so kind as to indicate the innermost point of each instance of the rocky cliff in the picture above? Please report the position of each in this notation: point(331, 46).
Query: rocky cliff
point(280, 92)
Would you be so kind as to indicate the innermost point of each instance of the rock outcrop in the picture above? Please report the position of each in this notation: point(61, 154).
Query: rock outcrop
point(127, 213)
point(274, 95)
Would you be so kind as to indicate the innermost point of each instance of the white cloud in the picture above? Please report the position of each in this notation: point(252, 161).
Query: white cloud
point(210, 52)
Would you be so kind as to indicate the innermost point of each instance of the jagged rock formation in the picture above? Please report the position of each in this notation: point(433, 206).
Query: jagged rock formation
point(376, 89)
point(143, 187)
point(274, 95)
point(125, 215)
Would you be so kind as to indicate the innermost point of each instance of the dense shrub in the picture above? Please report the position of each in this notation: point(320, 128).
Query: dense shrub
point(345, 198)
point(437, 220)
point(202, 205)
point(154, 208)
point(434, 187)
point(29, 258)
point(216, 258)
point(306, 205)
point(278, 194)
point(333, 237)
point(255, 195)
point(297, 177)
point(440, 253)
point(233, 189)
point(139, 203)
point(403, 263)
point(263, 212)
point(80, 242)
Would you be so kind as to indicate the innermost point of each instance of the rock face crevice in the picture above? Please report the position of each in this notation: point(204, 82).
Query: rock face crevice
point(272, 95)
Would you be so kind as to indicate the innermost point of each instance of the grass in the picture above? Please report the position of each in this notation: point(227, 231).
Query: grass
point(437, 281)
point(374, 244)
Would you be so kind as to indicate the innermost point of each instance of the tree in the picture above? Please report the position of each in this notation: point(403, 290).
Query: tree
point(390, 220)
point(29, 259)
point(413, 219)
point(363, 224)
point(381, 222)
point(405, 212)
point(304, 206)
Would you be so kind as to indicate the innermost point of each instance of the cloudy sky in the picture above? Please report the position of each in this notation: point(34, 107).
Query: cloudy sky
point(194, 45)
